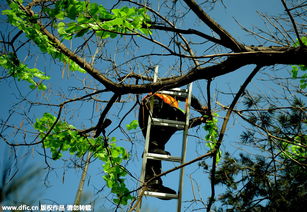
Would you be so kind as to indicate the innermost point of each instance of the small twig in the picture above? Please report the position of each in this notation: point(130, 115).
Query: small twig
point(263, 109)
point(138, 200)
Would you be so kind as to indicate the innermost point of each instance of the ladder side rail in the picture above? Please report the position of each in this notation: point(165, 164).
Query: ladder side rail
point(184, 146)
point(144, 161)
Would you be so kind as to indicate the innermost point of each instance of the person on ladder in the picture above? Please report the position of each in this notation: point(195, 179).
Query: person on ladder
point(164, 107)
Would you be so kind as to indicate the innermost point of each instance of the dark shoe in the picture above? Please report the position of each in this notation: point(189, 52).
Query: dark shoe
point(162, 189)
point(158, 148)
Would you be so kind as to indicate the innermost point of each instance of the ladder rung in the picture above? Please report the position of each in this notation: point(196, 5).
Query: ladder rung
point(168, 123)
point(155, 156)
point(176, 92)
point(161, 195)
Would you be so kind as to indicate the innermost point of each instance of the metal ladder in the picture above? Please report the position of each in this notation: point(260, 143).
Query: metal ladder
point(182, 125)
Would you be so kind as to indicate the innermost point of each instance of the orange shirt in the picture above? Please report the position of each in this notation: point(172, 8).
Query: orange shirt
point(168, 99)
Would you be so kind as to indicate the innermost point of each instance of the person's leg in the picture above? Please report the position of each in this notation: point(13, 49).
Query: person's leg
point(153, 168)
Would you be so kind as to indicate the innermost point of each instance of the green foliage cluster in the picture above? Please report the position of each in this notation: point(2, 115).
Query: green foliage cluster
point(296, 149)
point(212, 136)
point(303, 78)
point(64, 137)
point(22, 72)
point(71, 18)
point(295, 69)
point(18, 18)
point(79, 17)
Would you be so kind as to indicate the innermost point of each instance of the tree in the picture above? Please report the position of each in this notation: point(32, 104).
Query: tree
point(107, 52)
point(275, 179)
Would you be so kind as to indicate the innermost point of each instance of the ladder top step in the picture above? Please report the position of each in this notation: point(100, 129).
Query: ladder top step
point(155, 156)
point(168, 123)
point(161, 195)
point(176, 92)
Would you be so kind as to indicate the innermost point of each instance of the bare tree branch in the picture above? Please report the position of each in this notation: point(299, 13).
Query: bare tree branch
point(227, 39)
point(223, 129)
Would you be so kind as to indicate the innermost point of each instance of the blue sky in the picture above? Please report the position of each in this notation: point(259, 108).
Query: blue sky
point(62, 182)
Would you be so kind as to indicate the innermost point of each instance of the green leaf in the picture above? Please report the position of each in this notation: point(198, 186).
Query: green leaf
point(93, 9)
point(82, 20)
point(133, 125)
point(294, 71)
point(3, 61)
point(60, 15)
point(42, 87)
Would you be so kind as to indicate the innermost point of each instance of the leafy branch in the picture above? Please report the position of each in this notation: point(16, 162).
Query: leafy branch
point(295, 69)
point(83, 17)
point(21, 71)
point(213, 134)
point(64, 137)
